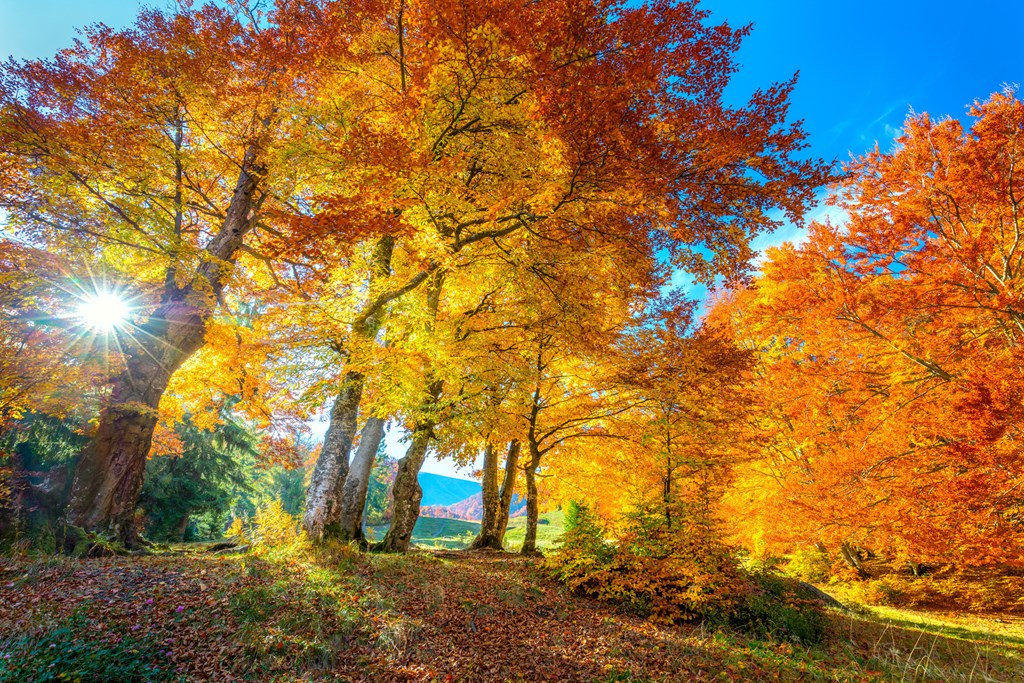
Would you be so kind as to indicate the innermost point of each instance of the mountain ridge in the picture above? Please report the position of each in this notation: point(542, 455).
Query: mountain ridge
point(439, 490)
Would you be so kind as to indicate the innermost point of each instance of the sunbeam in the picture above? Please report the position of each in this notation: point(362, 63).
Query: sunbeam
point(104, 311)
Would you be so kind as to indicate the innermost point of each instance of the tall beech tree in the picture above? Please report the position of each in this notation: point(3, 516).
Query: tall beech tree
point(535, 293)
point(568, 120)
point(691, 429)
point(406, 492)
point(149, 151)
point(325, 500)
point(506, 494)
point(567, 400)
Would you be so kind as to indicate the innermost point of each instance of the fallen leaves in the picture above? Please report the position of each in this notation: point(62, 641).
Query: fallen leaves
point(450, 616)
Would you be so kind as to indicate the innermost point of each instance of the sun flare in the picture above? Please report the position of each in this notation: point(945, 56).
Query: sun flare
point(104, 311)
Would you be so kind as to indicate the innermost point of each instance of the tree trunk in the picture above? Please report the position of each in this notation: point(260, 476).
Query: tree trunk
point(109, 476)
point(326, 487)
point(533, 442)
point(851, 559)
point(407, 493)
point(353, 494)
point(508, 486)
point(179, 532)
point(489, 537)
point(532, 506)
point(666, 494)
point(323, 498)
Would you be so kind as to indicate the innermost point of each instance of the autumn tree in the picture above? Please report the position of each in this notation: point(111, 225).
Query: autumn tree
point(539, 119)
point(547, 359)
point(890, 348)
point(150, 152)
point(655, 488)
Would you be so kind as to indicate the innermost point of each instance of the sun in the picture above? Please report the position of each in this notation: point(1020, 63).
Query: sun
point(104, 311)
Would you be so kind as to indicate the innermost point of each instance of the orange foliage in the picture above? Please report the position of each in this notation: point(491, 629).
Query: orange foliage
point(891, 355)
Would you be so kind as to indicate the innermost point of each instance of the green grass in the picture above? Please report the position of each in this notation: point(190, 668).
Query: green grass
point(455, 534)
point(303, 617)
point(433, 532)
point(74, 650)
point(961, 627)
point(549, 531)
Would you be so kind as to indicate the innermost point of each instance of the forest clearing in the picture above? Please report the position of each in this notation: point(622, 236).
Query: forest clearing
point(505, 340)
point(434, 616)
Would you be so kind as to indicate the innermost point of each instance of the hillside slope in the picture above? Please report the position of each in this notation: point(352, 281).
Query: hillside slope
point(434, 532)
point(471, 509)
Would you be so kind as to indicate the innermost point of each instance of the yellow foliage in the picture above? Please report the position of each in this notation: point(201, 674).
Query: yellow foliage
point(809, 564)
point(273, 527)
point(237, 528)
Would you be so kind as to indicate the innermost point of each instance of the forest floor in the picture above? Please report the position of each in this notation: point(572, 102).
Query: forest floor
point(336, 614)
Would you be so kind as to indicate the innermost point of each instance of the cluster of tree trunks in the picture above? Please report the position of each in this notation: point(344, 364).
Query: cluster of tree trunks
point(353, 494)
point(497, 500)
point(109, 476)
point(324, 500)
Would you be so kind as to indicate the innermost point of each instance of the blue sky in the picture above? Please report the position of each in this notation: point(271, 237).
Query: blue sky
point(863, 65)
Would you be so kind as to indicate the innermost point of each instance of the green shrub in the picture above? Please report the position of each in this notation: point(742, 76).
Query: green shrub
point(666, 572)
point(272, 527)
point(672, 568)
point(583, 550)
point(72, 651)
point(885, 591)
point(775, 609)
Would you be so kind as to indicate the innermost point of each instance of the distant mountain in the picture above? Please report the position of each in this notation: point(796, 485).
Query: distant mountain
point(471, 509)
point(451, 498)
point(444, 491)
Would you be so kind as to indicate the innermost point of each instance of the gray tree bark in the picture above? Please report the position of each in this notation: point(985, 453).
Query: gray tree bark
point(323, 497)
point(326, 486)
point(508, 485)
point(353, 494)
point(532, 506)
point(488, 536)
point(407, 494)
point(179, 531)
point(497, 500)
